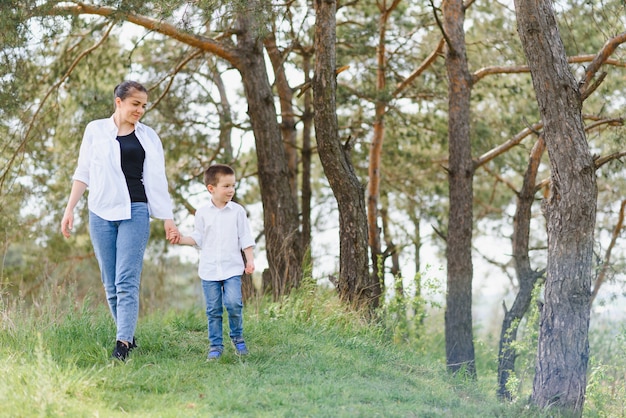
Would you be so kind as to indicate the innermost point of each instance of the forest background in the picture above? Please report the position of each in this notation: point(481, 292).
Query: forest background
point(381, 183)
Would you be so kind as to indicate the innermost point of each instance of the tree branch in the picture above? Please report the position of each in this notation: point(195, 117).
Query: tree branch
point(420, 69)
point(601, 57)
point(586, 92)
point(43, 101)
point(198, 41)
point(598, 162)
point(501, 149)
point(517, 69)
point(607, 257)
point(443, 32)
point(172, 74)
point(501, 179)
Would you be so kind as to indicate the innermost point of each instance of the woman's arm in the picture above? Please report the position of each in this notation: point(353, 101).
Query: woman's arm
point(67, 223)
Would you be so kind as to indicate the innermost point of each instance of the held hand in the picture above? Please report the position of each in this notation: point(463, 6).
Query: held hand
point(171, 231)
point(67, 223)
point(249, 267)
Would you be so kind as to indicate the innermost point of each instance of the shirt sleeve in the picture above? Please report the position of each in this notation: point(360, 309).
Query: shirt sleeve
point(198, 230)
point(243, 230)
point(84, 156)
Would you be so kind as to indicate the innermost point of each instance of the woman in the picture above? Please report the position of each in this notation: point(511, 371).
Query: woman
point(121, 161)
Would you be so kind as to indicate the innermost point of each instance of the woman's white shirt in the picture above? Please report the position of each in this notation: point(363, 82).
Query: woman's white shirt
point(100, 168)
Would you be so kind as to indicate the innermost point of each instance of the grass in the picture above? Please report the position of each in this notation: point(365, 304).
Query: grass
point(308, 358)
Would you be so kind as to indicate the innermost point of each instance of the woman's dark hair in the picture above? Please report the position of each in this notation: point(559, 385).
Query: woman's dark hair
point(124, 89)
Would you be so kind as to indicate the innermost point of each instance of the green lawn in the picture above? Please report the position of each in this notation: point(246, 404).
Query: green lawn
point(308, 358)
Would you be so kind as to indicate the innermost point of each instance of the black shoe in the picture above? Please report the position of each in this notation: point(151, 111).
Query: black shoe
point(121, 351)
point(132, 345)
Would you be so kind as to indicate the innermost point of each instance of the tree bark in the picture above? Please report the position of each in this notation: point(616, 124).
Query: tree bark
point(226, 117)
point(563, 348)
point(458, 317)
point(287, 112)
point(355, 285)
point(391, 251)
point(307, 154)
point(376, 148)
point(280, 208)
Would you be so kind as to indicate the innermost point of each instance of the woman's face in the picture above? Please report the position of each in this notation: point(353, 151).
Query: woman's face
point(132, 108)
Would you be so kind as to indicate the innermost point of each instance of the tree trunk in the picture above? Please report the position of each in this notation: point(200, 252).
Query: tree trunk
point(458, 317)
point(570, 210)
point(417, 245)
point(226, 116)
point(391, 251)
point(280, 208)
point(307, 154)
point(526, 276)
point(355, 285)
point(376, 148)
point(287, 112)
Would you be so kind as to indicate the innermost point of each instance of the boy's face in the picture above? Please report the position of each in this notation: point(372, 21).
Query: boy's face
point(224, 191)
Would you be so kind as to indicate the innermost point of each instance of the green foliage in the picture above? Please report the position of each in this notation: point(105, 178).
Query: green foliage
point(525, 346)
point(606, 382)
point(309, 357)
point(402, 316)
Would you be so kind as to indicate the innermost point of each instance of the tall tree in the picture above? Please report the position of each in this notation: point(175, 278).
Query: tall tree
point(355, 284)
point(280, 207)
point(458, 319)
point(570, 210)
point(374, 166)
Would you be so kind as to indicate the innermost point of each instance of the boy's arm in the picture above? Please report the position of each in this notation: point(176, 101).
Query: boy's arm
point(187, 240)
point(196, 235)
point(249, 253)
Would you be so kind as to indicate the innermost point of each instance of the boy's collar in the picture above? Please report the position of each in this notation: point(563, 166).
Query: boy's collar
point(227, 205)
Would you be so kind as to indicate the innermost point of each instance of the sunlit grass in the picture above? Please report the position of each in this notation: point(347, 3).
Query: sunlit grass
point(309, 357)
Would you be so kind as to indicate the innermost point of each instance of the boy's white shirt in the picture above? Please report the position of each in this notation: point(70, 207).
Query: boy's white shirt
point(221, 235)
point(100, 168)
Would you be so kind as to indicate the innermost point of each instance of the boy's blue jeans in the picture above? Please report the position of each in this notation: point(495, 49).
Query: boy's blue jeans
point(218, 294)
point(119, 248)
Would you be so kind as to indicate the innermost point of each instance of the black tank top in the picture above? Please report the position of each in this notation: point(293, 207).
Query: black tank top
point(133, 156)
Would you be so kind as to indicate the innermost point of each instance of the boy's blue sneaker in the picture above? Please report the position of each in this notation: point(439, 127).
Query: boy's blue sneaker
point(214, 354)
point(240, 348)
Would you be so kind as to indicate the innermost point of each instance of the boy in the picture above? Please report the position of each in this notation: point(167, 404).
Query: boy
point(221, 232)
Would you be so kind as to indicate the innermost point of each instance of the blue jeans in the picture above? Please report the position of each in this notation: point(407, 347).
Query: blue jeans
point(223, 293)
point(119, 248)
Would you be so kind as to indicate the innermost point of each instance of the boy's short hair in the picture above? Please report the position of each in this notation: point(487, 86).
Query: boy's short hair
point(213, 174)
